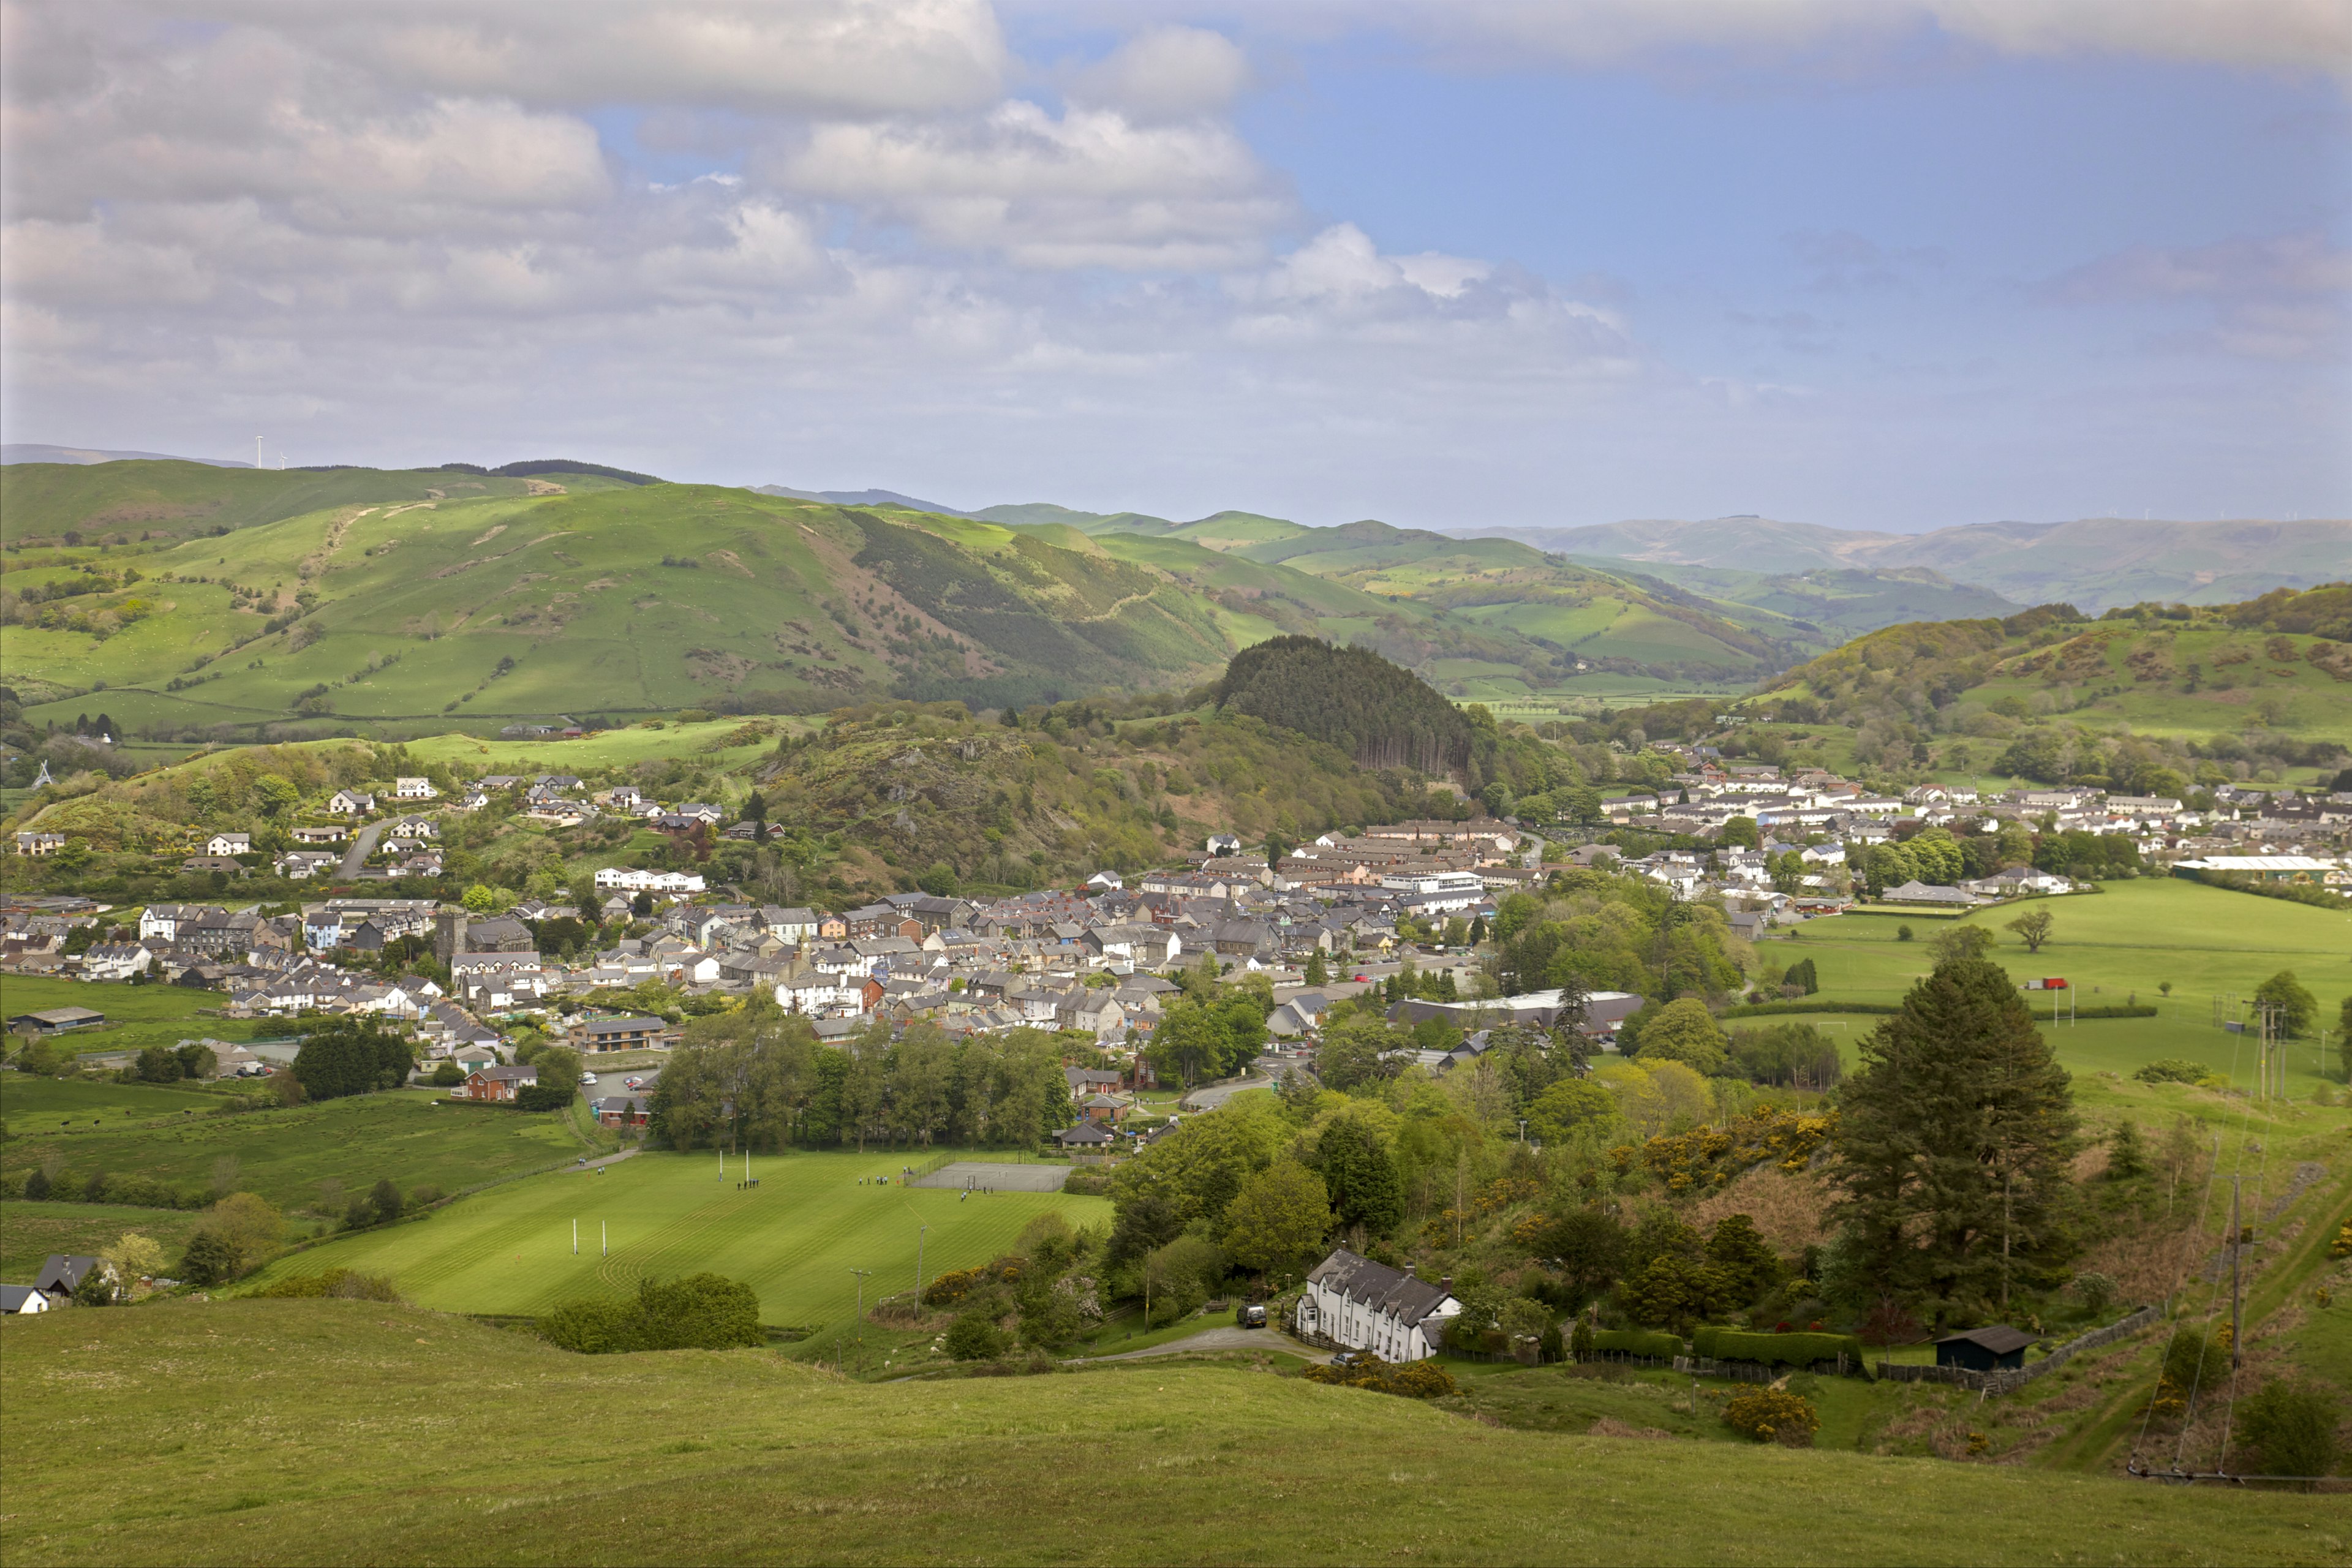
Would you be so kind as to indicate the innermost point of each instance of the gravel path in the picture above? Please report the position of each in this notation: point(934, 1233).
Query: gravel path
point(1231, 1337)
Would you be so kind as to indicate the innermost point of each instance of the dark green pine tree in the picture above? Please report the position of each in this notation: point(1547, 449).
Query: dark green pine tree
point(1361, 1173)
point(1953, 1142)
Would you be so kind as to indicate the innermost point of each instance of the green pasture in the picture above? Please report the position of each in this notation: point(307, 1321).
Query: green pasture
point(2114, 947)
point(794, 1239)
point(197, 1429)
point(26, 1101)
point(29, 1233)
point(137, 1015)
point(408, 1135)
point(607, 748)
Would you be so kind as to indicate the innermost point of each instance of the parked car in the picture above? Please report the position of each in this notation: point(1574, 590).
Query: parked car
point(588, 1078)
point(1351, 1358)
point(1251, 1315)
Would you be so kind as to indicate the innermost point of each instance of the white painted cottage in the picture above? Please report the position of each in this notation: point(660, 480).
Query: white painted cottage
point(1361, 1305)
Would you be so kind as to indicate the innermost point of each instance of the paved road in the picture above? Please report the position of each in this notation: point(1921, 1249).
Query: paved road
point(1231, 1337)
point(1210, 1096)
point(607, 1160)
point(361, 848)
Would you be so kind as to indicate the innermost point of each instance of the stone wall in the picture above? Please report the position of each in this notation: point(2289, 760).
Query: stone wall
point(2010, 1380)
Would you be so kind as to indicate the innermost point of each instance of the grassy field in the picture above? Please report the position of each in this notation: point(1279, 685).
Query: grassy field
point(137, 1015)
point(30, 1232)
point(794, 1239)
point(2114, 946)
point(407, 1135)
point(27, 1102)
point(229, 1432)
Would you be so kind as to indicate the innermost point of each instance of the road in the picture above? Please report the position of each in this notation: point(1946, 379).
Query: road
point(1229, 1337)
point(361, 848)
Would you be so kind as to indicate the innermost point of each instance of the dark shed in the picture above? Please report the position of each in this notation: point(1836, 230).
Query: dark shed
point(1984, 1350)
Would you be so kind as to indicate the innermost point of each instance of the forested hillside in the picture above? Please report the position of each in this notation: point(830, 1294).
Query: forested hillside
point(1348, 698)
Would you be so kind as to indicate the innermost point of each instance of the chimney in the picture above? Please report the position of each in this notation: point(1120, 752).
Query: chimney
point(1445, 1283)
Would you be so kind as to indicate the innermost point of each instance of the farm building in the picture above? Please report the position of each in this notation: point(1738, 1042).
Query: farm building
point(56, 1021)
point(1984, 1350)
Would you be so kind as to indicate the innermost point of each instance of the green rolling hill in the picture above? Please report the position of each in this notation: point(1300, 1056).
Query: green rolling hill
point(201, 600)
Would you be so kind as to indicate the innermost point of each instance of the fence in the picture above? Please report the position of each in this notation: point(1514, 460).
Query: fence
point(2008, 1380)
point(1761, 1372)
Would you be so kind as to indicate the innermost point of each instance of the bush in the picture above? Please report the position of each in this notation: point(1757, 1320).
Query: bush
point(448, 1075)
point(2173, 1069)
point(211, 1259)
point(1805, 1005)
point(2292, 1426)
point(2115, 1010)
point(542, 1097)
point(1408, 1380)
point(975, 1337)
point(1775, 1350)
point(953, 1285)
point(701, 1312)
point(1773, 1416)
point(339, 1284)
point(1638, 1341)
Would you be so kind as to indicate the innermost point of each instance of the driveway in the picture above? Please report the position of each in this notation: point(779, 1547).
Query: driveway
point(1214, 1095)
point(361, 848)
point(1231, 1337)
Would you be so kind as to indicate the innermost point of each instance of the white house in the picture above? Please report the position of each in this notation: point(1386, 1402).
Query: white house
point(414, 827)
point(39, 844)
point(414, 789)
point(629, 879)
point(229, 844)
point(1361, 1305)
point(350, 803)
point(301, 865)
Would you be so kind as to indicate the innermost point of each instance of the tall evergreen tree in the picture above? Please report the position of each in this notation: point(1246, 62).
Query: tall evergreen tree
point(1953, 1141)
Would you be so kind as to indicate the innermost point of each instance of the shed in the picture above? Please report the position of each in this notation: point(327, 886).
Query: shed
point(1984, 1350)
point(56, 1020)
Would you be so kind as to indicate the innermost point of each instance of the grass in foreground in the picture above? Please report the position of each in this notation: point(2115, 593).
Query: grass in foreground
point(326, 1432)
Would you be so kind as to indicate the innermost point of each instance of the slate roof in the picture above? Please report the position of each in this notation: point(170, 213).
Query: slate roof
point(1999, 1339)
point(1384, 1289)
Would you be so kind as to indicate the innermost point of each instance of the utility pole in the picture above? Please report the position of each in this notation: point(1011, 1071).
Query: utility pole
point(861, 1274)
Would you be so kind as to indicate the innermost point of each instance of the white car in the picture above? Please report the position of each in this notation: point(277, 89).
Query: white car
point(588, 1078)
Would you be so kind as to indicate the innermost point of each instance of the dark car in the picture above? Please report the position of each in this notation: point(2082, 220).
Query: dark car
point(1351, 1358)
point(1251, 1315)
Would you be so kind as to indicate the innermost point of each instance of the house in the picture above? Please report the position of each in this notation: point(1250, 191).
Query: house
point(1086, 1082)
point(1984, 1350)
point(618, 1034)
point(55, 1021)
point(115, 961)
point(1107, 881)
point(2017, 882)
point(1224, 843)
point(1085, 1135)
point(1918, 892)
point(496, 1084)
point(301, 865)
point(1298, 1015)
point(229, 844)
point(350, 803)
point(18, 1299)
point(161, 922)
point(39, 844)
point(62, 1275)
point(1361, 1305)
point(628, 1112)
point(319, 833)
point(414, 789)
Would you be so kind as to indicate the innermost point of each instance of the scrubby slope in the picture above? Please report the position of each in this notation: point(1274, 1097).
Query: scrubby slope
point(355, 1432)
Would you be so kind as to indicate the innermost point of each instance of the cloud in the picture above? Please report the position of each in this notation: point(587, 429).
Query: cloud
point(1167, 73)
point(1090, 188)
point(2282, 297)
point(824, 57)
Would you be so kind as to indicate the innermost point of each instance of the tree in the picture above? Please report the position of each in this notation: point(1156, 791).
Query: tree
point(701, 1312)
point(350, 1056)
point(1803, 975)
point(481, 899)
point(1567, 1105)
point(1317, 972)
point(2295, 1007)
point(1684, 1031)
point(1749, 1267)
point(158, 1064)
point(135, 1257)
point(559, 1069)
point(1587, 1247)
point(1740, 832)
point(1953, 1141)
point(1350, 1054)
point(1279, 1215)
point(99, 1287)
point(2033, 928)
point(1957, 940)
point(2126, 1152)
point(386, 1201)
point(1190, 1044)
point(1360, 1170)
point(974, 1336)
point(210, 1260)
point(196, 1060)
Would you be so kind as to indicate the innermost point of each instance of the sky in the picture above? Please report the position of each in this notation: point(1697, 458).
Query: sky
point(1459, 263)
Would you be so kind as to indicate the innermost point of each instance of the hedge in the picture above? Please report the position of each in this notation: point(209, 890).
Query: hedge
point(1638, 1341)
point(1806, 1004)
point(2118, 1010)
point(1788, 1349)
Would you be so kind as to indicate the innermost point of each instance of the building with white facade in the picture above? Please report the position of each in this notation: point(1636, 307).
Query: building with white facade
point(1366, 1306)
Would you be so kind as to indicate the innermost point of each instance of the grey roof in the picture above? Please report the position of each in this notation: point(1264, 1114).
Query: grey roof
point(63, 1271)
point(1384, 1289)
point(1999, 1338)
point(14, 1297)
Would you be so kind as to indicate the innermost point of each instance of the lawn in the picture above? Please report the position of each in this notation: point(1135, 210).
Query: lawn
point(243, 1431)
point(26, 1101)
point(408, 1135)
point(794, 1238)
point(30, 1232)
point(2117, 946)
point(137, 1015)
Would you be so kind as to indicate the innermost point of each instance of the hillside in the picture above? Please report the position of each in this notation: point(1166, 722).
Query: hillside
point(1348, 699)
point(743, 1456)
point(2096, 562)
point(2150, 701)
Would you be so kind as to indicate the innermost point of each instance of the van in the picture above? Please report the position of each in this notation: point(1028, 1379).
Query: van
point(1251, 1315)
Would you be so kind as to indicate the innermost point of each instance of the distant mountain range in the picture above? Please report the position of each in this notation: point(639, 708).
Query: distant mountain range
point(36, 452)
point(2093, 563)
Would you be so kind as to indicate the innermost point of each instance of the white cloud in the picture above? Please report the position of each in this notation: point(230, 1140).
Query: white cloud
point(1090, 188)
point(1166, 73)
